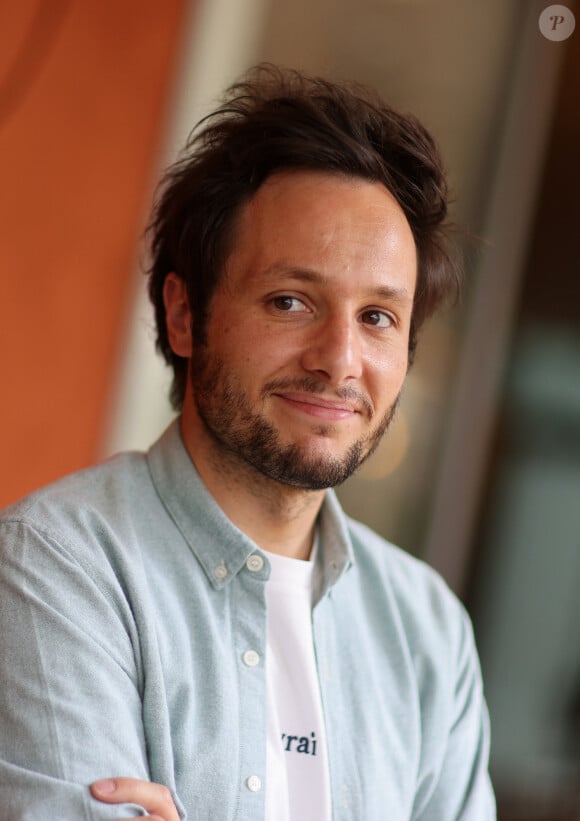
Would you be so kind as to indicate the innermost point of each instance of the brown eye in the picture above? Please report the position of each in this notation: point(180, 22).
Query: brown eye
point(379, 319)
point(288, 304)
point(283, 303)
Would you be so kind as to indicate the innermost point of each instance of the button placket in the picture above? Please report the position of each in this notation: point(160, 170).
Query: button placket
point(250, 640)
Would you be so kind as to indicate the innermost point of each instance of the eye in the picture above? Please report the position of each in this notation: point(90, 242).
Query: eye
point(288, 304)
point(378, 319)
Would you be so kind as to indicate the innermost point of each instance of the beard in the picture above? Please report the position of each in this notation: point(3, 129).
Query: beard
point(242, 432)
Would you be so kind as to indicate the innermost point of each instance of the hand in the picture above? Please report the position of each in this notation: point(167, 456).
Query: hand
point(155, 798)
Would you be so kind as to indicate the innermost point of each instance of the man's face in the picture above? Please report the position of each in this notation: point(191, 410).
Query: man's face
point(307, 332)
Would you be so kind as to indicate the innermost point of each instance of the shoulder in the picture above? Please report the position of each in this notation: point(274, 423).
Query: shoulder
point(409, 576)
point(82, 511)
point(428, 611)
point(94, 487)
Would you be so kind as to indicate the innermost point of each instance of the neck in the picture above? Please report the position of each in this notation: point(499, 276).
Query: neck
point(277, 517)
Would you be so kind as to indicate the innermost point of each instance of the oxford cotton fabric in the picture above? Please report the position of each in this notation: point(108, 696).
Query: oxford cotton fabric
point(127, 611)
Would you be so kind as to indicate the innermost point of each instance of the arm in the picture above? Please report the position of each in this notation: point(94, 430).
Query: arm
point(70, 685)
point(460, 789)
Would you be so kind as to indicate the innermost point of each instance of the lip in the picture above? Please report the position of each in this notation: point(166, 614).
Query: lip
point(319, 407)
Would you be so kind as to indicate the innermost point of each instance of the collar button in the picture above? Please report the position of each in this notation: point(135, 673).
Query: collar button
point(255, 563)
point(220, 571)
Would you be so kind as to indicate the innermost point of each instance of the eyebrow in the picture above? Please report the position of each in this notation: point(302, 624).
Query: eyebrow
point(311, 275)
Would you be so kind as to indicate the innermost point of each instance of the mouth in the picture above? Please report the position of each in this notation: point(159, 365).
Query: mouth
point(317, 406)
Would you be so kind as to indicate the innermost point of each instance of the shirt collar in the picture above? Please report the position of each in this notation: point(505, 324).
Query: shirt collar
point(221, 548)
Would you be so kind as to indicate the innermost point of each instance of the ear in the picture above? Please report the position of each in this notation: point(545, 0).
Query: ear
point(177, 315)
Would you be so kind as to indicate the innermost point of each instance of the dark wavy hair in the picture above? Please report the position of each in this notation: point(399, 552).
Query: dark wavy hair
point(274, 120)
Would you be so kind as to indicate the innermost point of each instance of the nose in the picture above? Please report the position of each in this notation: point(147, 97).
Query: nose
point(334, 351)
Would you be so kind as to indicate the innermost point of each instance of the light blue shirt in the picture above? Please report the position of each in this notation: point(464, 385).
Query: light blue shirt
point(128, 607)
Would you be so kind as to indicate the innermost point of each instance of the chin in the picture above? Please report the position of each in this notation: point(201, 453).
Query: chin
point(306, 467)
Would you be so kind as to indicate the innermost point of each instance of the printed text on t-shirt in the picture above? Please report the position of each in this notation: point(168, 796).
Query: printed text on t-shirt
point(303, 744)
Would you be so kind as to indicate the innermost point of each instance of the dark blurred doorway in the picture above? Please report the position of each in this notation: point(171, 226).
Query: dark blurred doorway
point(525, 585)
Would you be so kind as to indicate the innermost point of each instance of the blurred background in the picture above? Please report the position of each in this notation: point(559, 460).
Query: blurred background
point(480, 475)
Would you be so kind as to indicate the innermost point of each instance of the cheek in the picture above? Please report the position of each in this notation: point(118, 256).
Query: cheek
point(256, 355)
point(387, 375)
point(267, 350)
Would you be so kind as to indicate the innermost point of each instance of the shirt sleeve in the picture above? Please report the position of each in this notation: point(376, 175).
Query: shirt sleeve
point(70, 689)
point(459, 789)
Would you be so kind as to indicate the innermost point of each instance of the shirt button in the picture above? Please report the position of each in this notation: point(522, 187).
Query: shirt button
point(220, 572)
point(253, 783)
point(255, 563)
point(251, 658)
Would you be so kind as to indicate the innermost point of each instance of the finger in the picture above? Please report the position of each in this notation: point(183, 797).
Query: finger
point(155, 798)
point(150, 817)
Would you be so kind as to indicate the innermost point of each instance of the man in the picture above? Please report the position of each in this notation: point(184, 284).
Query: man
point(204, 616)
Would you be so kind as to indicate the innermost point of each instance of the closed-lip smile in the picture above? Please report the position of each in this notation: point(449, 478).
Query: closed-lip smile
point(318, 406)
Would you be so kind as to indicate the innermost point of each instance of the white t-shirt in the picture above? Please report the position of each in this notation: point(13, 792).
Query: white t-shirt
point(297, 780)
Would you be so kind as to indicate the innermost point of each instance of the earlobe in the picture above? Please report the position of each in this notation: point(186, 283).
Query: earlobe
point(177, 315)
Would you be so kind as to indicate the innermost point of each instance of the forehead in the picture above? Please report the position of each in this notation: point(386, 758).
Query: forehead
point(326, 198)
point(312, 206)
point(323, 222)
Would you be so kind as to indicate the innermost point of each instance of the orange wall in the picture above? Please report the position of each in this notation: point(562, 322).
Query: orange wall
point(83, 90)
